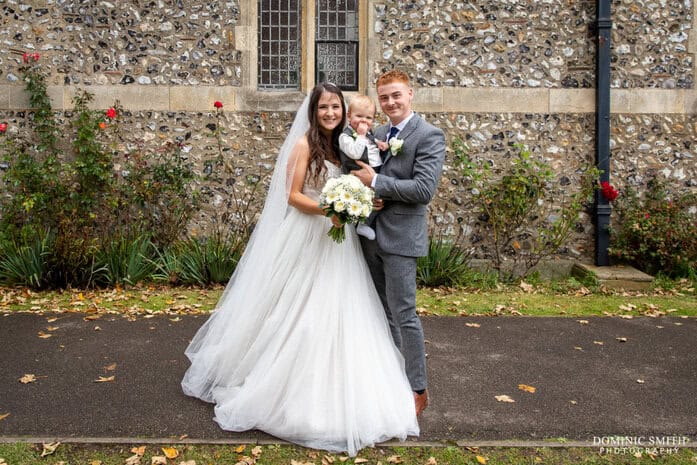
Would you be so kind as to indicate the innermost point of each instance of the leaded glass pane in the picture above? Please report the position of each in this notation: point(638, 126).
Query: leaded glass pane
point(336, 43)
point(279, 39)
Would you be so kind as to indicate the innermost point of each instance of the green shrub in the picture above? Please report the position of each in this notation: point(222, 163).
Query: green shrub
point(445, 265)
point(524, 219)
point(657, 233)
point(126, 260)
point(199, 261)
point(26, 262)
point(65, 183)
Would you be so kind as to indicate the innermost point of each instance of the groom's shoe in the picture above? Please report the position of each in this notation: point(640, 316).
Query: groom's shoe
point(421, 401)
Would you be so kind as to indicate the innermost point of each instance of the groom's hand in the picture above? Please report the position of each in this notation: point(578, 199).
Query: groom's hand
point(365, 174)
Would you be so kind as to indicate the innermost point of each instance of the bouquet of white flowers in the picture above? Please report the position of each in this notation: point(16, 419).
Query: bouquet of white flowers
point(348, 199)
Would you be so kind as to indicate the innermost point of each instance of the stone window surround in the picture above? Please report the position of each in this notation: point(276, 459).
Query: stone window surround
point(249, 98)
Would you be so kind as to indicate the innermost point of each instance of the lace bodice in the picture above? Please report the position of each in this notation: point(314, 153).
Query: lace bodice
point(313, 187)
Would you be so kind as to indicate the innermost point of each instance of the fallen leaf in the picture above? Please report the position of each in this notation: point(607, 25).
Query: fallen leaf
point(43, 335)
point(295, 462)
point(360, 460)
point(96, 462)
point(170, 452)
point(52, 320)
point(52, 328)
point(621, 339)
point(526, 388)
point(244, 460)
point(431, 461)
point(28, 378)
point(138, 450)
point(3, 416)
point(158, 460)
point(578, 348)
point(343, 459)
point(133, 460)
point(583, 322)
point(97, 328)
point(327, 460)
point(573, 402)
point(49, 448)
point(473, 325)
point(504, 398)
point(394, 459)
point(240, 449)
point(111, 367)
point(105, 379)
point(256, 452)
point(640, 381)
point(481, 459)
point(188, 462)
point(598, 343)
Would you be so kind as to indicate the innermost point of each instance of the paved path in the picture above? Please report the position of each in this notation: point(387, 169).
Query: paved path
point(584, 389)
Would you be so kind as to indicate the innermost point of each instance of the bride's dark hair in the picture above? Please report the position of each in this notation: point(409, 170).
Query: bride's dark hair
point(320, 148)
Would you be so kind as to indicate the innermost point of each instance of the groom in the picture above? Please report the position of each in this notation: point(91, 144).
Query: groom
point(406, 184)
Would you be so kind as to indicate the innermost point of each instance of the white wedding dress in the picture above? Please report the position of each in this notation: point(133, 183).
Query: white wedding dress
point(300, 346)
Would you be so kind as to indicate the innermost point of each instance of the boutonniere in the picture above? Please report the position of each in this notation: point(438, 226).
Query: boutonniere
point(354, 134)
point(396, 146)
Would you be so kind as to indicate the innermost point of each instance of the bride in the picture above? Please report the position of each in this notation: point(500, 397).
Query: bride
point(299, 345)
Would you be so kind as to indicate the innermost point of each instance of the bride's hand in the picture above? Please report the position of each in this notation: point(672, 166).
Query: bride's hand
point(336, 221)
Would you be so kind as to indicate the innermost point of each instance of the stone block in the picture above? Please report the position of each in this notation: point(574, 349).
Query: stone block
point(489, 100)
point(615, 277)
point(691, 102)
point(185, 98)
point(620, 101)
point(428, 99)
point(19, 99)
point(4, 97)
point(657, 101)
point(572, 100)
point(141, 97)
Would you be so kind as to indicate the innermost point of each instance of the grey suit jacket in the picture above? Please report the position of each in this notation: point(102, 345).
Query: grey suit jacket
point(407, 182)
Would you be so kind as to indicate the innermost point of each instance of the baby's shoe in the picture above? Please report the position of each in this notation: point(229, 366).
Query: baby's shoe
point(365, 231)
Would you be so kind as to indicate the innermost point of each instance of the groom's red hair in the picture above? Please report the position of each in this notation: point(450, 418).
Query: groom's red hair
point(391, 76)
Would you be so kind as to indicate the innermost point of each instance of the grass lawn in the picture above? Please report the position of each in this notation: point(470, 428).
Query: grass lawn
point(563, 298)
point(29, 454)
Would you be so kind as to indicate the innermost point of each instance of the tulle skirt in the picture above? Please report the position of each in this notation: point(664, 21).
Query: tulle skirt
point(299, 347)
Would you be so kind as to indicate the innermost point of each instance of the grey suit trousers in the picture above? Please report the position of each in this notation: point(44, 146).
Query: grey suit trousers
point(395, 280)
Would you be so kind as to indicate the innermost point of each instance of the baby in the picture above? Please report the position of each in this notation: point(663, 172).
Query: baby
point(358, 143)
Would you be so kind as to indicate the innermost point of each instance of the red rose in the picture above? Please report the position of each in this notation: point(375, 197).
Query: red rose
point(27, 56)
point(609, 192)
point(111, 113)
point(218, 104)
point(3, 127)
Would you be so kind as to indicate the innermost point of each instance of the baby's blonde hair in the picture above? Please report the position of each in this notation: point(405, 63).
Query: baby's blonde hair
point(361, 101)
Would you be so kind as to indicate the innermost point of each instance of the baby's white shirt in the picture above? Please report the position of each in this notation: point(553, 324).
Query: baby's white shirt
point(353, 148)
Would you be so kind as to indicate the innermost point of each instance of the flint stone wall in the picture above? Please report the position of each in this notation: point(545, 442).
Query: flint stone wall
point(116, 48)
